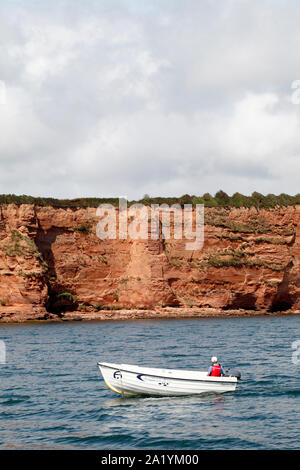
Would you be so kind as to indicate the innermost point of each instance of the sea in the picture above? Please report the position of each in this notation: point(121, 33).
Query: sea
point(52, 395)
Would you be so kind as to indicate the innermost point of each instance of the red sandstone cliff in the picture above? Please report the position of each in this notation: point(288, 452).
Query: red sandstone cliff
point(52, 262)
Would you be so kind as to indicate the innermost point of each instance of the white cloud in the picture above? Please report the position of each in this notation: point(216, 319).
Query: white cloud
point(113, 98)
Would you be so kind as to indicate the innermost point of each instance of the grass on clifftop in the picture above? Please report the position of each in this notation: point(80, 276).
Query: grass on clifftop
point(221, 199)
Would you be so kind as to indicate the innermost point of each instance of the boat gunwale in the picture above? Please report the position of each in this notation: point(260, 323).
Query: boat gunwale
point(174, 378)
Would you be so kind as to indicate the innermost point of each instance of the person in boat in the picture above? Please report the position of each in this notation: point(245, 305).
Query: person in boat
point(215, 370)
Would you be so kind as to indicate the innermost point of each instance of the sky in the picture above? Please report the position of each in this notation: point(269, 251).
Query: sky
point(114, 98)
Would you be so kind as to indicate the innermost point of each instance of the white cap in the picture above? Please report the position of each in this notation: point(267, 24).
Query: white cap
point(214, 359)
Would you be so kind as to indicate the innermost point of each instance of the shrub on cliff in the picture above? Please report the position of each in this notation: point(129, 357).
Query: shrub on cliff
point(68, 296)
point(21, 245)
point(222, 198)
point(83, 228)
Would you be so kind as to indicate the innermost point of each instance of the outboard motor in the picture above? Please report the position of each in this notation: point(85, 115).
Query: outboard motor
point(234, 373)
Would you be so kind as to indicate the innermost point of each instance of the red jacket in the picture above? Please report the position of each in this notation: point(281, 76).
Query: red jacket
point(216, 370)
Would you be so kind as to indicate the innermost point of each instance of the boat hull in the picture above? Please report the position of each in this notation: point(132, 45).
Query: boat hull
point(131, 380)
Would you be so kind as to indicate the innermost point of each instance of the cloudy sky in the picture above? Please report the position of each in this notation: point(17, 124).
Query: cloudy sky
point(166, 97)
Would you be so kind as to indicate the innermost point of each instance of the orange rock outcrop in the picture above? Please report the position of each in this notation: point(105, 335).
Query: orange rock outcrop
point(52, 263)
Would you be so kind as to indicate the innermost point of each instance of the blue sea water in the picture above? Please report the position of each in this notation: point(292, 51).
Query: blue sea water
point(52, 395)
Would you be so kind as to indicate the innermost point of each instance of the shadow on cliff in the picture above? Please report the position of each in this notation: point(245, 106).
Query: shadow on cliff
point(59, 300)
point(244, 301)
point(283, 300)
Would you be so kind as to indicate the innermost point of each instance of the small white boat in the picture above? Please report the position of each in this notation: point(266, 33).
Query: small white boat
point(133, 380)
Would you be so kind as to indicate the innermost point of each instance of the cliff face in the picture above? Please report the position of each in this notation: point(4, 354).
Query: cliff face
point(52, 262)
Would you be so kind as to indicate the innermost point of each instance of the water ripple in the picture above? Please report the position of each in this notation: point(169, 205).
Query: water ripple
point(52, 395)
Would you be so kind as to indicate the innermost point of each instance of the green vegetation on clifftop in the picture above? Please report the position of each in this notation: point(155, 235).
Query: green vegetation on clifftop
point(221, 199)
